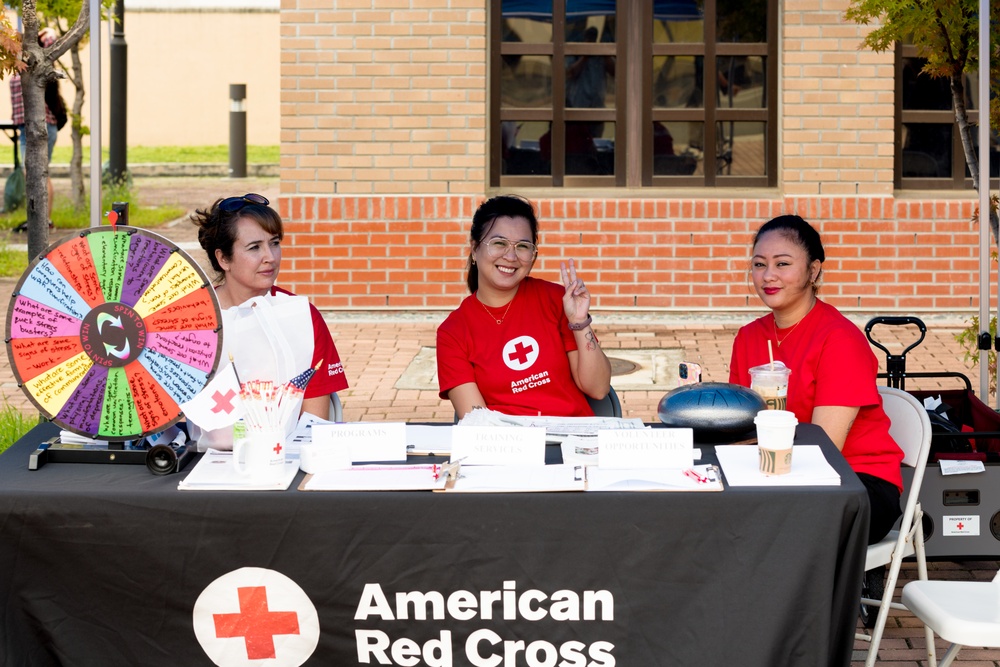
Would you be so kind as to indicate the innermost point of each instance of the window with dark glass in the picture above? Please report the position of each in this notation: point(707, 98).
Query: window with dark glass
point(929, 152)
point(632, 93)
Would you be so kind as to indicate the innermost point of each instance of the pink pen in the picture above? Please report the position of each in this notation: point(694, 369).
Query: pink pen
point(690, 472)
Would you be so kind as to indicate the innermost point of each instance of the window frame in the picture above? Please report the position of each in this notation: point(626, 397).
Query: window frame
point(958, 180)
point(633, 44)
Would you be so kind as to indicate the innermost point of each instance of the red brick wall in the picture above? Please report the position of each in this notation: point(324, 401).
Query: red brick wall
point(399, 253)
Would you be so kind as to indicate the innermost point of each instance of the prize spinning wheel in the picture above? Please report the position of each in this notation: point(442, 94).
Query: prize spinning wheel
point(110, 330)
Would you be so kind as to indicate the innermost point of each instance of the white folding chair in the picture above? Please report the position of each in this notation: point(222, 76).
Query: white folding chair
point(911, 429)
point(965, 613)
point(336, 413)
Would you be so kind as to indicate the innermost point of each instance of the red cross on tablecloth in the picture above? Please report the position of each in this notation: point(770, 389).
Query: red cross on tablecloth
point(256, 623)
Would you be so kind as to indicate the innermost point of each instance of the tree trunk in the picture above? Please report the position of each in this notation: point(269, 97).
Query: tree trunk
point(966, 130)
point(36, 159)
point(77, 191)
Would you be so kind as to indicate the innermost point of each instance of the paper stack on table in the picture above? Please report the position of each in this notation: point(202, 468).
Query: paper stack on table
point(556, 428)
point(216, 472)
point(809, 467)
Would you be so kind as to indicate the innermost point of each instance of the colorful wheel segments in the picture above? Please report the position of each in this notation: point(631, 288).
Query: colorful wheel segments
point(109, 331)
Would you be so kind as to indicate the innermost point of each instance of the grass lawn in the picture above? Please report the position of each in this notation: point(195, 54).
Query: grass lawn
point(14, 424)
point(174, 154)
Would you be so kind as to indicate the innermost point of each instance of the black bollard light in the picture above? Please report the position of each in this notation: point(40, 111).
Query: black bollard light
point(237, 130)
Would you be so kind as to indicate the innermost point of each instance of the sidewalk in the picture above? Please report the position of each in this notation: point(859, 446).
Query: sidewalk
point(388, 359)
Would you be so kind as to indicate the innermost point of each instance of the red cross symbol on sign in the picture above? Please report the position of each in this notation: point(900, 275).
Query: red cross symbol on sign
point(223, 402)
point(960, 525)
point(256, 624)
point(520, 353)
point(277, 448)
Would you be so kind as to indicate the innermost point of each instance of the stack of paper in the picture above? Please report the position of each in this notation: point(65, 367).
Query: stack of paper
point(425, 477)
point(518, 479)
point(556, 428)
point(809, 467)
point(216, 472)
point(696, 478)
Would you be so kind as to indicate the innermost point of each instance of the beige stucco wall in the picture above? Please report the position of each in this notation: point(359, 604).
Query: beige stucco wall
point(180, 66)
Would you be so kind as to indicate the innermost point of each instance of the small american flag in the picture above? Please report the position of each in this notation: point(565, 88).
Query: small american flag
point(302, 379)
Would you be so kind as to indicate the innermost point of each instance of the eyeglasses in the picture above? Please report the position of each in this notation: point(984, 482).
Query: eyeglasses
point(231, 204)
point(498, 246)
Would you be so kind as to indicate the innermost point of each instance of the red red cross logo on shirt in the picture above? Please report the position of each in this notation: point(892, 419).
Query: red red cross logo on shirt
point(256, 623)
point(223, 402)
point(520, 353)
point(277, 448)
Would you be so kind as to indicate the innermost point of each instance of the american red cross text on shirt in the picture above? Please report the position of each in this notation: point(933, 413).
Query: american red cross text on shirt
point(256, 624)
point(520, 353)
point(223, 402)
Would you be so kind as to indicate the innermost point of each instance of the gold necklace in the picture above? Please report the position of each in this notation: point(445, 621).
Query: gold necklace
point(499, 321)
point(779, 341)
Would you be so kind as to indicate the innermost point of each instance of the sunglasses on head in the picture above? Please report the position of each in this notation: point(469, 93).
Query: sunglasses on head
point(230, 204)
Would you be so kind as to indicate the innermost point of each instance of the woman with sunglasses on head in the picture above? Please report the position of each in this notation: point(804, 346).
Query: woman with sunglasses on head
point(833, 379)
point(519, 345)
point(242, 238)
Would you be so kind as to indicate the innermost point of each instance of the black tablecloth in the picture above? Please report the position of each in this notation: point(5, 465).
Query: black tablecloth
point(102, 564)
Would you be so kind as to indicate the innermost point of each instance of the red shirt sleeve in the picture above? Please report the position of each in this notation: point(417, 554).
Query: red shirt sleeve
point(330, 375)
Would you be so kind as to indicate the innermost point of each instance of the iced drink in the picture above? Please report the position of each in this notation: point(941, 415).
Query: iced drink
point(770, 381)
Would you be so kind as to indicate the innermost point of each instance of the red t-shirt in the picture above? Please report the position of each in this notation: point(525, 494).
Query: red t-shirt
point(520, 366)
point(832, 364)
point(330, 377)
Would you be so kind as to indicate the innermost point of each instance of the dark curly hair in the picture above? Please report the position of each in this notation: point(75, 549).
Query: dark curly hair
point(217, 228)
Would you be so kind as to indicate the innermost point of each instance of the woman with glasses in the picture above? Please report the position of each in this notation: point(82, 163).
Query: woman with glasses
point(268, 332)
point(519, 345)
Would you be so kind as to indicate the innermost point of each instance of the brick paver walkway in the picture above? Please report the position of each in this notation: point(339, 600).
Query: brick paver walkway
point(378, 348)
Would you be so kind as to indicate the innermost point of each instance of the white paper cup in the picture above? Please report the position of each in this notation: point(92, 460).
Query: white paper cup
point(775, 434)
point(260, 456)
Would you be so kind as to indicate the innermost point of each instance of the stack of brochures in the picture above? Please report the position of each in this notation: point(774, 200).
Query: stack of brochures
point(216, 472)
point(809, 467)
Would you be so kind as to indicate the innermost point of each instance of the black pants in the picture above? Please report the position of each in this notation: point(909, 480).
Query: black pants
point(883, 497)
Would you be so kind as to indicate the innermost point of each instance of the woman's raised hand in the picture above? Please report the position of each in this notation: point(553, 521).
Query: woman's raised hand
point(576, 300)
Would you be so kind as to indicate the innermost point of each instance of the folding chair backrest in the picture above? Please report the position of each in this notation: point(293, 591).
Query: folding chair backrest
point(911, 429)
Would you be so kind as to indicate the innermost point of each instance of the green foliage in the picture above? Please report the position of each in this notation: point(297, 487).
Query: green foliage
point(13, 424)
point(177, 154)
point(945, 32)
point(969, 339)
point(12, 262)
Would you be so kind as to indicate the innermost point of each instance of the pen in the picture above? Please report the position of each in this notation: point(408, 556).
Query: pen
point(693, 474)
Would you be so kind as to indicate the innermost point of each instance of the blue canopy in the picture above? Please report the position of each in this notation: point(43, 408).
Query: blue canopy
point(670, 10)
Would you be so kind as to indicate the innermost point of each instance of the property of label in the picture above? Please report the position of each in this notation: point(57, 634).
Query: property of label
point(960, 525)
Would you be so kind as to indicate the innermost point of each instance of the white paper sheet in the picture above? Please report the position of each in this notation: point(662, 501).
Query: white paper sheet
point(428, 440)
point(518, 479)
point(952, 467)
point(696, 478)
point(216, 472)
point(424, 477)
point(557, 429)
point(809, 467)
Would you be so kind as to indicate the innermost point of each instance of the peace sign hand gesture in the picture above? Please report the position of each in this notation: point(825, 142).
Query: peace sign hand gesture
point(576, 300)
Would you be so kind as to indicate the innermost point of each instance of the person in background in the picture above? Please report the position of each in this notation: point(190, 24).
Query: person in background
point(242, 238)
point(55, 110)
point(833, 380)
point(519, 345)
